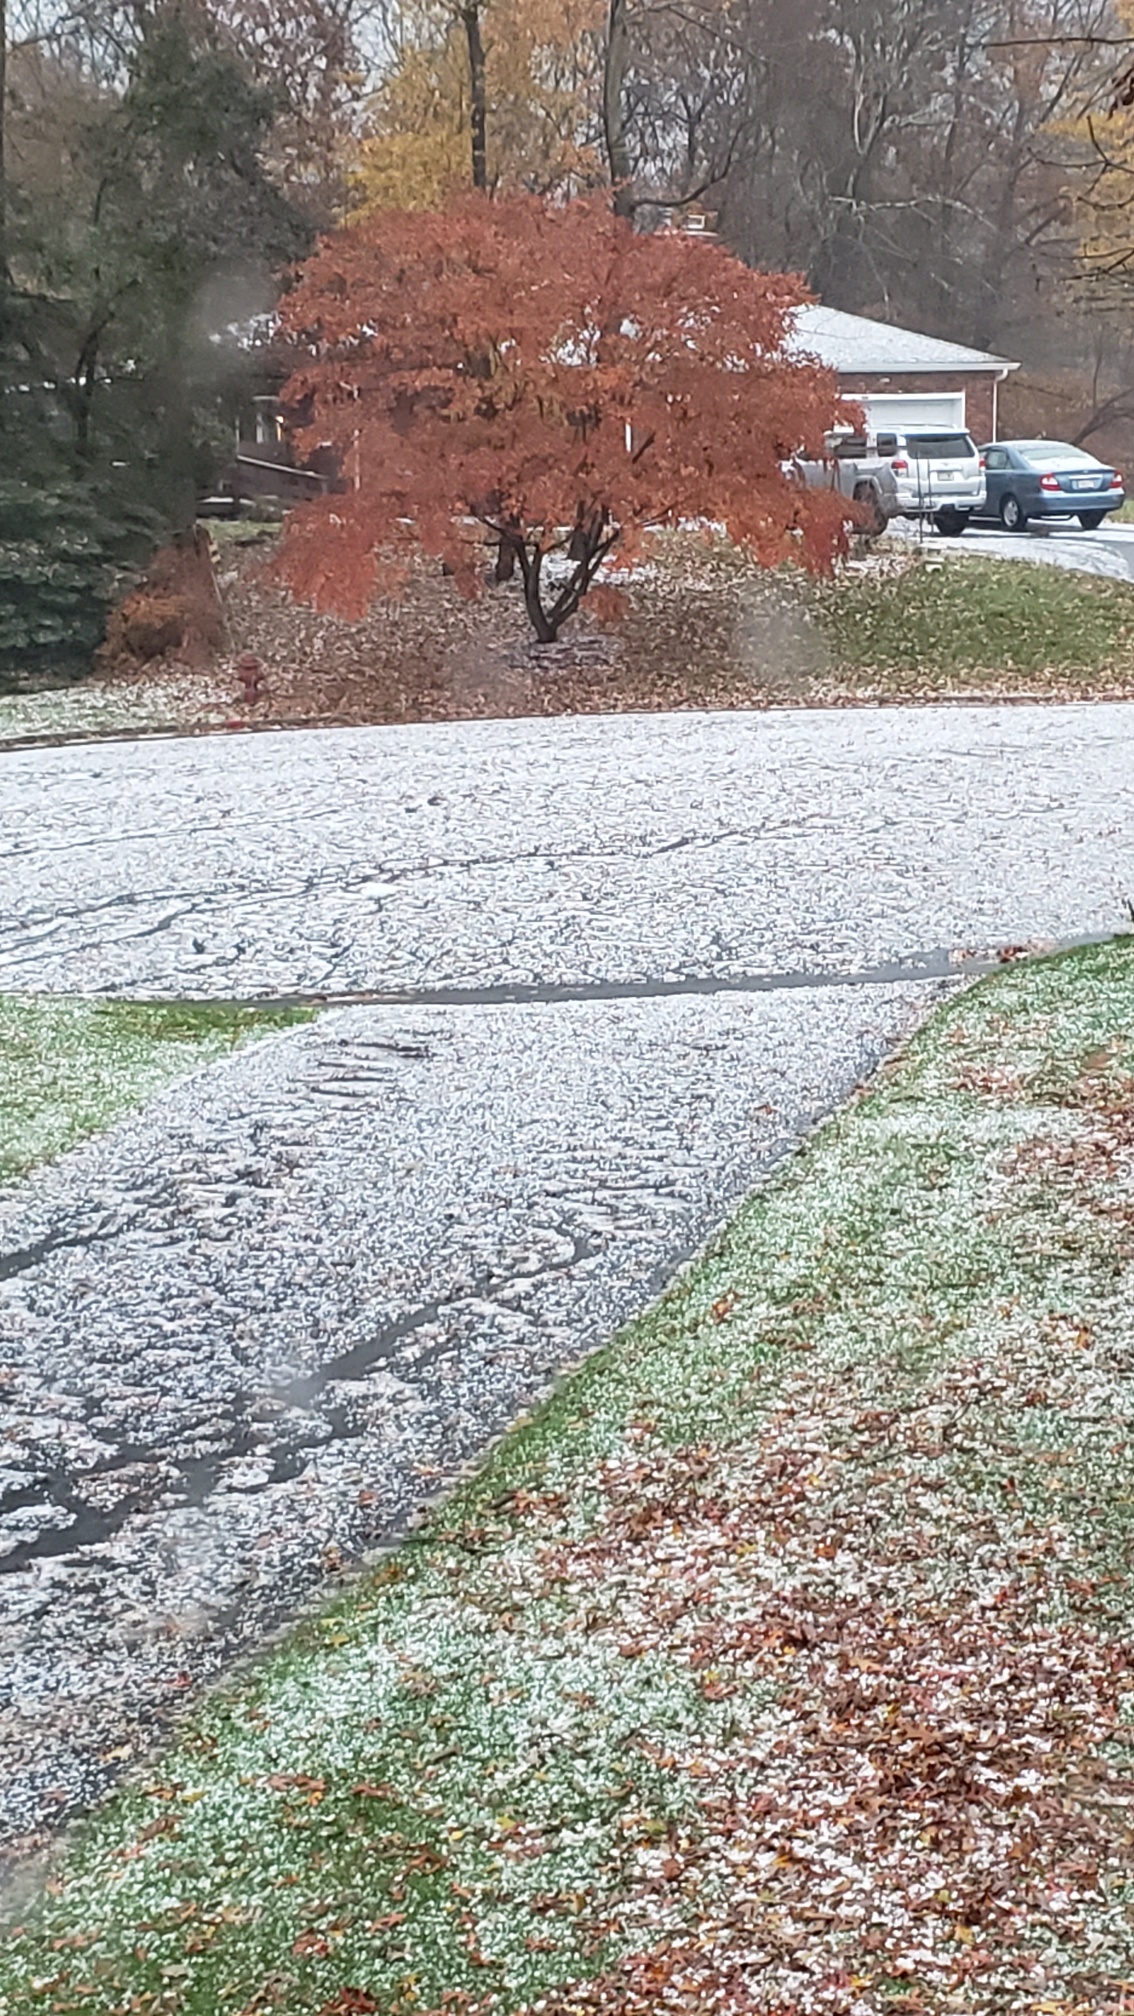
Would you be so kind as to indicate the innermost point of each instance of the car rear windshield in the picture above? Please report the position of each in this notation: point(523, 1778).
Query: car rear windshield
point(940, 447)
point(1057, 455)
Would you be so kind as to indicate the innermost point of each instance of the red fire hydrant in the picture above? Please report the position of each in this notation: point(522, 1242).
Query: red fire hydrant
point(250, 673)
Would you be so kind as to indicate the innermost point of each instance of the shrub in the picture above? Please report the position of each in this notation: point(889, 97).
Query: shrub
point(67, 550)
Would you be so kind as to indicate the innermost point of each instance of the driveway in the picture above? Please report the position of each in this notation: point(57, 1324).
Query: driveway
point(1058, 543)
point(595, 978)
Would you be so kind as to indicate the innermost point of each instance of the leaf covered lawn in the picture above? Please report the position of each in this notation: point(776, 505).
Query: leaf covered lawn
point(781, 1664)
point(700, 627)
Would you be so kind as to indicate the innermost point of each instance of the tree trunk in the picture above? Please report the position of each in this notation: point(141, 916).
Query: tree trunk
point(3, 170)
point(478, 95)
point(544, 629)
point(616, 62)
point(85, 378)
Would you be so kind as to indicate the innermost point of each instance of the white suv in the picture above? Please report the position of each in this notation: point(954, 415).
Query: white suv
point(939, 474)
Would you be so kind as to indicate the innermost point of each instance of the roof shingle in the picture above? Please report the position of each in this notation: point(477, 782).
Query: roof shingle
point(856, 344)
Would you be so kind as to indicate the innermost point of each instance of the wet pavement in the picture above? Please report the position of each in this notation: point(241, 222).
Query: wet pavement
point(247, 1332)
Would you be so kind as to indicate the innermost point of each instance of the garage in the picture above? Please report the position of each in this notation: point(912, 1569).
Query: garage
point(902, 378)
point(897, 412)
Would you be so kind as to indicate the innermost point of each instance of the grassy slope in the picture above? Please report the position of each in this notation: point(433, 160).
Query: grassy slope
point(972, 624)
point(707, 629)
point(781, 1650)
point(72, 1067)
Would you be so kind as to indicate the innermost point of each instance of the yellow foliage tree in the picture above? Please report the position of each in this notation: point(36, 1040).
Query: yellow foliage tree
point(1103, 185)
point(417, 146)
point(543, 63)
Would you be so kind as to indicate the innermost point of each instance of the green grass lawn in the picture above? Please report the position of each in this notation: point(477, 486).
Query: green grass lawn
point(227, 533)
point(959, 622)
point(69, 1068)
point(782, 1656)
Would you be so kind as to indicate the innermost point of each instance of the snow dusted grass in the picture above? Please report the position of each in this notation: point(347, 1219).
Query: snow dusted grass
point(777, 1665)
point(70, 1068)
point(170, 699)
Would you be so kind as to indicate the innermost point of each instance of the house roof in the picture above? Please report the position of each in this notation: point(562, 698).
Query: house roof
point(855, 344)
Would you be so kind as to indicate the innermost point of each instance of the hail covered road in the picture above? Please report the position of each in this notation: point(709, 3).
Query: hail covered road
point(592, 977)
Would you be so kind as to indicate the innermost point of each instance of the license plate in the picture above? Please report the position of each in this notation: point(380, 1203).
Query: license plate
point(1084, 483)
point(947, 475)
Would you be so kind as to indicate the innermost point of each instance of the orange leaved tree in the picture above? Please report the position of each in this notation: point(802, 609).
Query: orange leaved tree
point(541, 377)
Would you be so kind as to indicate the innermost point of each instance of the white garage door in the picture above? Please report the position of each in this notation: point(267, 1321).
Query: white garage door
point(901, 410)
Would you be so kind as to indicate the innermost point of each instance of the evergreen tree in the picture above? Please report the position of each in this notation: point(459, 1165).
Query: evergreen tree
point(119, 364)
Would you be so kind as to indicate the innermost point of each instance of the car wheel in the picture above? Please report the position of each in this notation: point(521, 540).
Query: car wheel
point(951, 523)
point(873, 521)
point(1013, 517)
point(1091, 520)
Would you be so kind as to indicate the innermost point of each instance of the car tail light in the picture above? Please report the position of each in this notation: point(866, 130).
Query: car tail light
point(984, 462)
point(1116, 482)
point(901, 467)
point(1050, 482)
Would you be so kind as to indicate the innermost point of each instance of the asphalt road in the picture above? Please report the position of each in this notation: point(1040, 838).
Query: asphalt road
point(1054, 543)
point(565, 853)
point(626, 964)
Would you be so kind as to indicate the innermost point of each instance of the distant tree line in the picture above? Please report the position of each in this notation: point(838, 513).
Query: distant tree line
point(913, 158)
